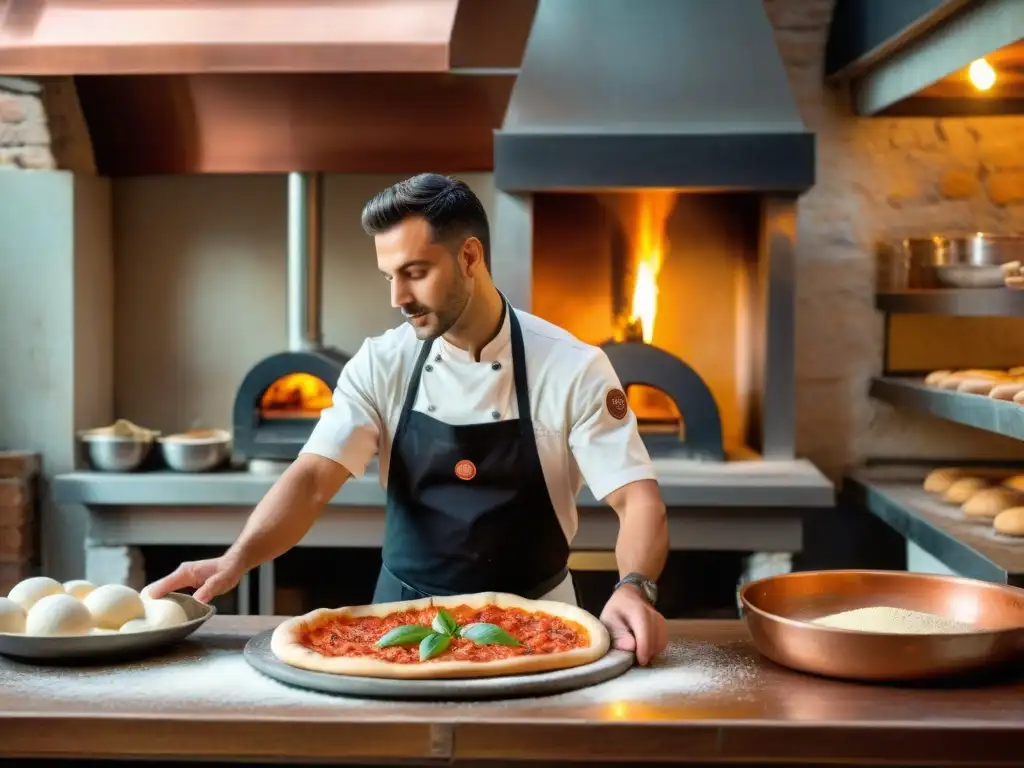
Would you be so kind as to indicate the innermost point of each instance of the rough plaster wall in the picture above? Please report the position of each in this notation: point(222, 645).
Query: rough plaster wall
point(886, 178)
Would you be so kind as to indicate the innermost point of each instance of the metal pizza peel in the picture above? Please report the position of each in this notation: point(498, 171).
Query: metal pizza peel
point(613, 664)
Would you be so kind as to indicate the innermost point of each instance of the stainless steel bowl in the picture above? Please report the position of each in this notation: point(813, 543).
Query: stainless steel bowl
point(976, 261)
point(115, 453)
point(196, 451)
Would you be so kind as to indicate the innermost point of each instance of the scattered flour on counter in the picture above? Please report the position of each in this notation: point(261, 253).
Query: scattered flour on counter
point(687, 667)
point(894, 621)
point(217, 677)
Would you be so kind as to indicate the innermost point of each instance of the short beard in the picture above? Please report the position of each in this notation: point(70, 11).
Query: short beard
point(447, 315)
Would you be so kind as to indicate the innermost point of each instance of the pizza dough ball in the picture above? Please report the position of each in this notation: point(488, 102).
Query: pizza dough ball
point(933, 378)
point(79, 588)
point(977, 386)
point(990, 502)
point(939, 480)
point(12, 617)
point(160, 614)
point(30, 591)
point(961, 490)
point(59, 614)
point(1016, 482)
point(114, 605)
point(1010, 521)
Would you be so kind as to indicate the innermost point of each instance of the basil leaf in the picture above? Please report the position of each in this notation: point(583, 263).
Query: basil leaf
point(487, 634)
point(434, 644)
point(444, 624)
point(407, 634)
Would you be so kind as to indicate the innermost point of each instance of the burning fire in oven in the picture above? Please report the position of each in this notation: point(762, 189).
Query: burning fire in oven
point(295, 396)
point(648, 245)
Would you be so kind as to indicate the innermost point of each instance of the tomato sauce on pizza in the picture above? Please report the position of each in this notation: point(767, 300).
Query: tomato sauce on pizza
point(536, 633)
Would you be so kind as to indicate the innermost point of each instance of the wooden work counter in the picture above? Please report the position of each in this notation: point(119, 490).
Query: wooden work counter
point(711, 698)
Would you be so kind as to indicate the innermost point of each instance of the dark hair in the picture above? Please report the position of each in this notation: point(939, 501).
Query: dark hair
point(448, 205)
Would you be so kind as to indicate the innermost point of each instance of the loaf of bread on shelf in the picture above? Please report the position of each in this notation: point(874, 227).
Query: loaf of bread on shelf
point(1016, 482)
point(963, 488)
point(939, 480)
point(933, 378)
point(1006, 391)
point(942, 479)
point(988, 503)
point(1010, 521)
point(954, 380)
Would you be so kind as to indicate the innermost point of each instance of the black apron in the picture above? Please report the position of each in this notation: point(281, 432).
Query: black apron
point(468, 509)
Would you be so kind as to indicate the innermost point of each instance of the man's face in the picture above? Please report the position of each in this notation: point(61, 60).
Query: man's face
point(428, 283)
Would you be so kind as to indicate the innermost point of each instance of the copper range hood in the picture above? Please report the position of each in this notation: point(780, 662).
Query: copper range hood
point(186, 86)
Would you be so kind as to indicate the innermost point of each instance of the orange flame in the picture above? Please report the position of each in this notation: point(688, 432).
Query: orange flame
point(649, 246)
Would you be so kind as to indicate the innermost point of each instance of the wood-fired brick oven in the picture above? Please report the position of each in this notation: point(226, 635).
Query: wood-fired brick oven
point(280, 398)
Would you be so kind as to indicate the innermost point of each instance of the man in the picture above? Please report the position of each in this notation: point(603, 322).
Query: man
point(486, 421)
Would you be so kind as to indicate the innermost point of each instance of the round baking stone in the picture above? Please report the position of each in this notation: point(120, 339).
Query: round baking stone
point(612, 664)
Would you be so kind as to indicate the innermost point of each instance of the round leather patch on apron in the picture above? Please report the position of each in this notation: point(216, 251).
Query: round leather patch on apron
point(465, 470)
point(616, 403)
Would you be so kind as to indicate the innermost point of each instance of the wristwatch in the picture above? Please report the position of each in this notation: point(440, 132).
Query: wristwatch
point(647, 587)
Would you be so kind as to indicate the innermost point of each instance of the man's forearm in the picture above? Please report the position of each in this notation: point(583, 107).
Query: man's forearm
point(285, 515)
point(642, 545)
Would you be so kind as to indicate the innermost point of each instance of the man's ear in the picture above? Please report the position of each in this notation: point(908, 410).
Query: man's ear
point(473, 255)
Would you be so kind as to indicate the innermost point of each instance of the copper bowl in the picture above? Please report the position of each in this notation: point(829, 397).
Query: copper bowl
point(777, 611)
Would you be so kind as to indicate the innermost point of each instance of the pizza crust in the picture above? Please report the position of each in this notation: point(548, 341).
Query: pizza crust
point(286, 643)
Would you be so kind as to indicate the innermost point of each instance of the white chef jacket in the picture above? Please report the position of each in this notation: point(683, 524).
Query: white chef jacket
point(579, 439)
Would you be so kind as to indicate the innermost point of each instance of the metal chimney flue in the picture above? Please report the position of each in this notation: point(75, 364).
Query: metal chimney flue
point(305, 261)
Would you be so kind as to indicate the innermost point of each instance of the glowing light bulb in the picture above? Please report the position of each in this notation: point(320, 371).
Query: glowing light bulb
point(981, 74)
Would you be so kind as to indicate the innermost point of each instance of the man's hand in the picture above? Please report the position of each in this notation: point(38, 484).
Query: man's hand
point(210, 578)
point(634, 624)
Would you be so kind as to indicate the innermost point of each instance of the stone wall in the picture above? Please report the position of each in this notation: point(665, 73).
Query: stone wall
point(885, 178)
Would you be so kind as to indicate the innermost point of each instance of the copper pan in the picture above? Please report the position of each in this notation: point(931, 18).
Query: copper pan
point(777, 611)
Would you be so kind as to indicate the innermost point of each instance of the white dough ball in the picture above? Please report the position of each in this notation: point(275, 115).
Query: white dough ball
point(164, 613)
point(28, 592)
point(160, 614)
point(79, 588)
point(135, 625)
point(113, 605)
point(12, 617)
point(58, 615)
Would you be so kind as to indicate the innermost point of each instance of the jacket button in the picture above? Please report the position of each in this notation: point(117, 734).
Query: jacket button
point(495, 415)
point(495, 366)
point(428, 368)
point(430, 408)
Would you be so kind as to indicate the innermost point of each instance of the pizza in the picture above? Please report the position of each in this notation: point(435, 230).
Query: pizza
point(479, 635)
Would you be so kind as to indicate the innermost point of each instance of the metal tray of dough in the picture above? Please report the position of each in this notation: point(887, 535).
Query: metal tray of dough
point(107, 647)
point(262, 658)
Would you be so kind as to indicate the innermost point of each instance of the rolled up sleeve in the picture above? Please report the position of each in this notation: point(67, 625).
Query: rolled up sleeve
point(348, 431)
point(604, 437)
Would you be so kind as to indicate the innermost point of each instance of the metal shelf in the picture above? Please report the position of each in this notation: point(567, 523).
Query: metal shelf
point(894, 495)
point(962, 302)
point(997, 416)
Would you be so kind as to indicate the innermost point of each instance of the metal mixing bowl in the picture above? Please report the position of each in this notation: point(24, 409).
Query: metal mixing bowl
point(197, 451)
point(115, 453)
point(976, 261)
